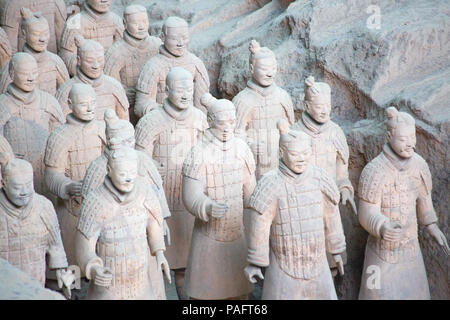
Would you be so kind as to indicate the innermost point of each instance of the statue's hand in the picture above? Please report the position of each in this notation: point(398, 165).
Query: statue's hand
point(251, 272)
point(339, 263)
point(439, 237)
point(163, 264)
point(166, 231)
point(65, 280)
point(346, 196)
point(217, 210)
point(391, 231)
point(102, 276)
point(73, 189)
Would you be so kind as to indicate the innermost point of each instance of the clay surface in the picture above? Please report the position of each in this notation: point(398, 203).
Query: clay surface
point(218, 179)
point(52, 70)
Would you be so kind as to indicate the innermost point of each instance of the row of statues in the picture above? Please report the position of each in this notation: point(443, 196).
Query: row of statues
point(115, 158)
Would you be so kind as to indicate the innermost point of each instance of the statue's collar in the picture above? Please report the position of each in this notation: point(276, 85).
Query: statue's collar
point(85, 79)
point(25, 97)
point(398, 162)
point(312, 125)
point(135, 43)
point(291, 175)
point(264, 91)
point(120, 197)
point(12, 210)
point(39, 56)
point(174, 113)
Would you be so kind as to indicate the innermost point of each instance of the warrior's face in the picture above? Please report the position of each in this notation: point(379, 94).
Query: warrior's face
point(83, 106)
point(181, 93)
point(100, 6)
point(37, 35)
point(403, 140)
point(25, 74)
point(176, 40)
point(320, 108)
point(123, 173)
point(223, 124)
point(264, 71)
point(137, 25)
point(296, 155)
point(19, 188)
point(91, 63)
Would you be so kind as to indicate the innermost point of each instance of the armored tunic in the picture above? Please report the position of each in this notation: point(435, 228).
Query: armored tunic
point(27, 119)
point(396, 191)
point(151, 84)
point(225, 174)
point(5, 48)
point(110, 95)
point(70, 149)
point(52, 71)
point(295, 222)
point(125, 58)
point(126, 229)
point(167, 136)
point(105, 28)
point(258, 110)
point(29, 235)
point(52, 10)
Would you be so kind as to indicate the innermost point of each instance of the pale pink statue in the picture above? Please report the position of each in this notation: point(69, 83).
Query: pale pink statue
point(259, 106)
point(218, 179)
point(122, 132)
point(126, 57)
point(394, 196)
point(151, 84)
point(120, 226)
point(109, 91)
point(70, 149)
point(294, 222)
point(5, 48)
point(28, 115)
point(329, 145)
point(30, 237)
point(95, 22)
point(54, 11)
point(166, 134)
point(52, 70)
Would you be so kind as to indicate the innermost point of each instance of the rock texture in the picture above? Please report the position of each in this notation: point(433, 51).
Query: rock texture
point(17, 285)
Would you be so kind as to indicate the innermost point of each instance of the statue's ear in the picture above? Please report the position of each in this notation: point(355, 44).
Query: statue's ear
point(108, 169)
point(251, 68)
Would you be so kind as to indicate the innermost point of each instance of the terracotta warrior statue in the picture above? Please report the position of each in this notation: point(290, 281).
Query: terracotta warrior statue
point(122, 132)
point(259, 106)
point(90, 62)
point(151, 84)
point(120, 226)
point(30, 238)
point(52, 70)
point(94, 22)
point(166, 134)
point(28, 115)
point(126, 57)
point(294, 221)
point(54, 11)
point(329, 145)
point(70, 149)
point(395, 195)
point(5, 48)
point(218, 179)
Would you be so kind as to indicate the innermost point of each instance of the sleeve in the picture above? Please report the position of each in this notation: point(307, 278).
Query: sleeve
point(62, 95)
point(249, 173)
point(68, 49)
point(201, 81)
point(56, 256)
point(113, 61)
point(369, 191)
point(120, 28)
point(147, 87)
point(425, 209)
point(343, 154)
point(62, 74)
point(288, 106)
point(60, 19)
point(93, 178)
point(155, 230)
point(243, 114)
point(146, 132)
point(5, 79)
point(122, 104)
point(10, 20)
point(54, 109)
point(5, 48)
point(334, 232)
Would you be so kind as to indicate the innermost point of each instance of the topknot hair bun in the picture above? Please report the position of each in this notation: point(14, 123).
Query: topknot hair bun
point(207, 100)
point(254, 46)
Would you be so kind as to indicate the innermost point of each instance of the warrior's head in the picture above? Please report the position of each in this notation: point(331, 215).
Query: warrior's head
point(180, 87)
point(100, 6)
point(122, 166)
point(317, 100)
point(82, 101)
point(35, 29)
point(401, 132)
point(90, 57)
point(221, 116)
point(24, 71)
point(263, 64)
point(118, 130)
point(17, 175)
point(295, 147)
point(175, 35)
point(135, 21)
